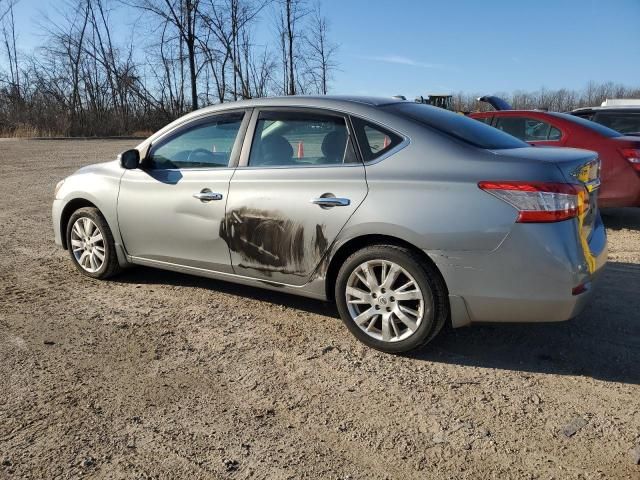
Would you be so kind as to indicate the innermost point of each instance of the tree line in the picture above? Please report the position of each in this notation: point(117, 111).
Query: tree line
point(86, 80)
point(560, 100)
point(181, 55)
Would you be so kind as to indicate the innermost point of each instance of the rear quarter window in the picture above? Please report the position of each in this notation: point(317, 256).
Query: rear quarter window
point(373, 139)
point(458, 126)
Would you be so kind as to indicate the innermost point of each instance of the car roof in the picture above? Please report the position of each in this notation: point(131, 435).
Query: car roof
point(619, 108)
point(344, 103)
point(305, 100)
point(509, 112)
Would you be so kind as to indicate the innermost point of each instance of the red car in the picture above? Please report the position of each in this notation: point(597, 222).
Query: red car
point(619, 154)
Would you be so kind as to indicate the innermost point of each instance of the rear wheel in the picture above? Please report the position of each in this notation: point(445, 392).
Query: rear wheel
point(390, 298)
point(90, 243)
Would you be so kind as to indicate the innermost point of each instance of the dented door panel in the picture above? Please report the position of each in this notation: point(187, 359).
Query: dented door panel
point(274, 231)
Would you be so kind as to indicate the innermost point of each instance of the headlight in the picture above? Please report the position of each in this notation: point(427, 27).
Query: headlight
point(55, 192)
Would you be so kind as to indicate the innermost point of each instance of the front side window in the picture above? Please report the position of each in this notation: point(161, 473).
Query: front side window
point(205, 145)
point(297, 139)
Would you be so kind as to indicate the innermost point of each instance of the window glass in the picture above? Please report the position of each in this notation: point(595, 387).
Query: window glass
point(300, 139)
point(528, 129)
point(486, 120)
point(457, 126)
point(205, 145)
point(516, 126)
point(374, 140)
point(586, 115)
point(554, 134)
point(622, 122)
point(535, 130)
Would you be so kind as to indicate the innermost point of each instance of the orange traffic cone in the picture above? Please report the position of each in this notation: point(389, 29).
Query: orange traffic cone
point(386, 142)
point(300, 149)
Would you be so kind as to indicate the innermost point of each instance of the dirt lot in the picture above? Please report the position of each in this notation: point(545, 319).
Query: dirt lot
point(161, 375)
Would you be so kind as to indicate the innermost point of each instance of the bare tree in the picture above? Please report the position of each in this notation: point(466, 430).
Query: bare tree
point(183, 16)
point(320, 58)
point(9, 40)
point(290, 15)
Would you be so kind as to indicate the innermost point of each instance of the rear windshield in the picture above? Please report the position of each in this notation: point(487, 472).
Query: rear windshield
point(596, 127)
point(623, 122)
point(458, 126)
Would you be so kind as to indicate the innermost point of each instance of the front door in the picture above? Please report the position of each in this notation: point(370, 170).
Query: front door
point(171, 209)
point(295, 188)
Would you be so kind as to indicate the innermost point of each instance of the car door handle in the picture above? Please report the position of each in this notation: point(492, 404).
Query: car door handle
point(207, 195)
point(331, 202)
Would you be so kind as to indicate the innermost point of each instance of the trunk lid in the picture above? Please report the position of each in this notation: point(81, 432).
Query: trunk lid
point(580, 167)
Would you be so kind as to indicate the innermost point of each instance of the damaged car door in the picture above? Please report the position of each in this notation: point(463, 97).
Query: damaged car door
point(298, 182)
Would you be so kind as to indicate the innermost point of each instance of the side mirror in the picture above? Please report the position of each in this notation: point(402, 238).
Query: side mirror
point(129, 159)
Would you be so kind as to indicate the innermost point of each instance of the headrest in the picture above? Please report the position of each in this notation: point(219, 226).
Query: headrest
point(276, 150)
point(334, 144)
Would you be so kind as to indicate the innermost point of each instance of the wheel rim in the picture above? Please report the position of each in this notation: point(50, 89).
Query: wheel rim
point(385, 301)
point(87, 244)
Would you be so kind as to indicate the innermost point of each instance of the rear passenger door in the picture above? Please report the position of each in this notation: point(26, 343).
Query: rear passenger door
point(298, 181)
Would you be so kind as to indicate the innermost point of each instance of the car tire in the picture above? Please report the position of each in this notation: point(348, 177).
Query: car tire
point(391, 317)
point(88, 239)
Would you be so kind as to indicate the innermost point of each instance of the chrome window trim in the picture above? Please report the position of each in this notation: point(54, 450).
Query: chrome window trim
point(250, 132)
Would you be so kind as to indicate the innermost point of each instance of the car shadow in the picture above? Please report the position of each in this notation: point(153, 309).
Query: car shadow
point(602, 343)
point(151, 276)
point(621, 218)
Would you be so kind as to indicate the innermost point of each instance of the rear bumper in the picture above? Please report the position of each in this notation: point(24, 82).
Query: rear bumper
point(528, 278)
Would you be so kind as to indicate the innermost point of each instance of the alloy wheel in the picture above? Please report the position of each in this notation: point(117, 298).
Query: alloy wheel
point(384, 300)
point(87, 244)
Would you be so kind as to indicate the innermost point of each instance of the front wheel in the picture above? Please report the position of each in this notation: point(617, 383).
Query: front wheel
point(90, 243)
point(390, 298)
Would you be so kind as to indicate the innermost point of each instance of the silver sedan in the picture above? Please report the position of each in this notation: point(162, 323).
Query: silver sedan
point(406, 216)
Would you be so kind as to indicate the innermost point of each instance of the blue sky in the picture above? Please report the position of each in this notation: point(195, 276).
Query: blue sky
point(420, 47)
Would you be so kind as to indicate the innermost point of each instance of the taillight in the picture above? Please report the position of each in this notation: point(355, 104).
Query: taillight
point(540, 201)
point(632, 155)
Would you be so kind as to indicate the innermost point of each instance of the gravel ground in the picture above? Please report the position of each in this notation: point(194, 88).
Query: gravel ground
point(162, 375)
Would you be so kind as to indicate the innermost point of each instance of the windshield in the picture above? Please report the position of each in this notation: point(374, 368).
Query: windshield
point(596, 127)
point(622, 122)
point(458, 126)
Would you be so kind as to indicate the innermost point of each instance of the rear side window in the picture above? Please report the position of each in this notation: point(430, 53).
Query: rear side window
point(298, 139)
point(622, 122)
point(373, 139)
point(515, 126)
point(528, 129)
point(457, 126)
